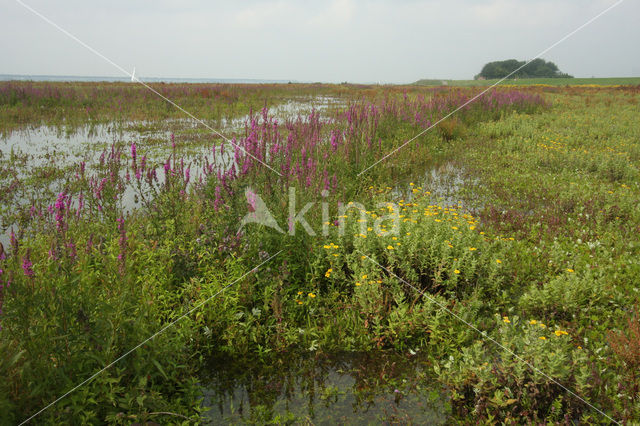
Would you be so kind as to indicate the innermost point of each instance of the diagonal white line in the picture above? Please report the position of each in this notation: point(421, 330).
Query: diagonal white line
point(162, 330)
point(492, 86)
point(485, 336)
point(136, 79)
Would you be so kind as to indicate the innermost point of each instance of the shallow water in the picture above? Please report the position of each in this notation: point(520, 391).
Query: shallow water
point(76, 143)
point(443, 181)
point(31, 151)
point(350, 388)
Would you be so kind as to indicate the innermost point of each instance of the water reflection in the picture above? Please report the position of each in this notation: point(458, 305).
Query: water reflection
point(39, 161)
point(350, 388)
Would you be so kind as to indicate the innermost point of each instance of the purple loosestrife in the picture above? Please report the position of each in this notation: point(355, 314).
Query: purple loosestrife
point(151, 176)
point(27, 266)
point(14, 242)
point(60, 207)
point(80, 204)
point(218, 200)
point(89, 246)
point(251, 200)
point(71, 247)
point(334, 140)
point(52, 253)
point(167, 170)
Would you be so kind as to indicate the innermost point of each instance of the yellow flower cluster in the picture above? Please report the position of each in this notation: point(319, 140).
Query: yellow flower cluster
point(541, 325)
point(300, 293)
point(364, 277)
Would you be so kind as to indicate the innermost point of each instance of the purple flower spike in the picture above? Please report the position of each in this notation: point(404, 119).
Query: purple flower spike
point(27, 266)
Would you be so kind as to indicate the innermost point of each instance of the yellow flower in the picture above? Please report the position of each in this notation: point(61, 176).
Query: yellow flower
point(542, 325)
point(363, 257)
point(454, 227)
point(533, 322)
point(472, 248)
point(506, 320)
point(542, 338)
point(299, 302)
point(456, 271)
point(358, 284)
point(311, 295)
point(299, 293)
point(498, 261)
point(472, 227)
point(560, 333)
point(389, 247)
point(328, 273)
point(570, 270)
point(364, 277)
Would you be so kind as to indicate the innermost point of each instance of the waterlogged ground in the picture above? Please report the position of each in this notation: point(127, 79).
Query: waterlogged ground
point(41, 154)
point(351, 388)
point(473, 276)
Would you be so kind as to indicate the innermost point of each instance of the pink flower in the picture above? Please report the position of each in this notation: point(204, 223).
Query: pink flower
point(27, 265)
point(251, 199)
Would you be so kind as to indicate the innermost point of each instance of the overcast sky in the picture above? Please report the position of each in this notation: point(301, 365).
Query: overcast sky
point(331, 41)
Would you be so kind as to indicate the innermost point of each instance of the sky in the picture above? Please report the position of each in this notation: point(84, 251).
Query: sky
point(373, 41)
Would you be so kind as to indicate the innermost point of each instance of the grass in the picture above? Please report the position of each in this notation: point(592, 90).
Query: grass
point(534, 245)
point(609, 81)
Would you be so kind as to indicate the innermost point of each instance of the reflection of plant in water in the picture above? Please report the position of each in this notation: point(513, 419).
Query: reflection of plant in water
point(366, 386)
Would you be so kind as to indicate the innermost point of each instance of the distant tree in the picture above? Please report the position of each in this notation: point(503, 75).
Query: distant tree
point(538, 68)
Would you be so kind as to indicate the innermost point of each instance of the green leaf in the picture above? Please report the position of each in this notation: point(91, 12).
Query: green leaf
point(157, 364)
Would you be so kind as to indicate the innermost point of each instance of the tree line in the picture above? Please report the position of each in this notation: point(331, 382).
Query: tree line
point(538, 68)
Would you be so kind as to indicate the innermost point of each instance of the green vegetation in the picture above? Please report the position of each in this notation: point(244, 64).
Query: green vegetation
point(503, 239)
point(594, 82)
point(74, 104)
point(512, 68)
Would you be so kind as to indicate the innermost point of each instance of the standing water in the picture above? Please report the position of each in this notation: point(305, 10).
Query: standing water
point(349, 388)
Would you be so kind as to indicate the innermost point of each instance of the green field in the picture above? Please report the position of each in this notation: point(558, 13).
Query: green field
point(488, 270)
point(613, 81)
